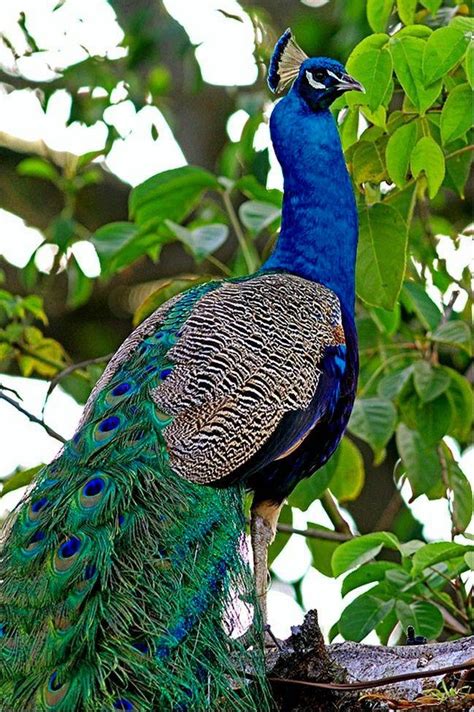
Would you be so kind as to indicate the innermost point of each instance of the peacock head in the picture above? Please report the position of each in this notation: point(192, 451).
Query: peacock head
point(318, 80)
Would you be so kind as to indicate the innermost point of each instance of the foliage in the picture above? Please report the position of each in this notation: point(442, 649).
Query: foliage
point(410, 592)
point(407, 145)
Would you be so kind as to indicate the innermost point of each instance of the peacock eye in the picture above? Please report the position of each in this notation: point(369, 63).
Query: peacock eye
point(319, 76)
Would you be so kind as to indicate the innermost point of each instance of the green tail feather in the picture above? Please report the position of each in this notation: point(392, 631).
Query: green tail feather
point(120, 579)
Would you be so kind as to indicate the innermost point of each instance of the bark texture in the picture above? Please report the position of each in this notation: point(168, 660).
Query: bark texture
point(305, 657)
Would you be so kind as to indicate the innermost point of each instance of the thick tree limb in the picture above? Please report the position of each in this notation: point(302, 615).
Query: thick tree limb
point(401, 673)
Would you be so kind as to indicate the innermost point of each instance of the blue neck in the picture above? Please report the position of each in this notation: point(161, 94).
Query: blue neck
point(318, 238)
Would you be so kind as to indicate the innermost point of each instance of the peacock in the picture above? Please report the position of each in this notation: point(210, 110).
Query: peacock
point(125, 577)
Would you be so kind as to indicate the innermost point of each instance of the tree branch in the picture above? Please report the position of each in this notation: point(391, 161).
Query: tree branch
point(249, 261)
point(334, 514)
point(70, 369)
point(381, 682)
point(32, 417)
point(306, 674)
point(314, 533)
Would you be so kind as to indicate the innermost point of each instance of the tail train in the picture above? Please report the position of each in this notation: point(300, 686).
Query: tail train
point(121, 580)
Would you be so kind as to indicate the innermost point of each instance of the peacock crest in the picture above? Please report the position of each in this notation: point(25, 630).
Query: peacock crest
point(285, 63)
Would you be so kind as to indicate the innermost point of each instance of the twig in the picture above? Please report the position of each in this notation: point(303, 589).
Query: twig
point(389, 513)
point(10, 390)
point(220, 265)
point(238, 231)
point(464, 149)
point(70, 369)
point(33, 418)
point(447, 311)
point(380, 682)
point(334, 514)
point(314, 533)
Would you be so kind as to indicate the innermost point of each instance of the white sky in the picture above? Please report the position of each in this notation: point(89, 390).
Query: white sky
point(225, 56)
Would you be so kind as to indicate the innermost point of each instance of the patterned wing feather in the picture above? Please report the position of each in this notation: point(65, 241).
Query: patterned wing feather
point(249, 352)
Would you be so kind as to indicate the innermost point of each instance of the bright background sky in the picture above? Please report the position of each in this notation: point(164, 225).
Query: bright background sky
point(225, 57)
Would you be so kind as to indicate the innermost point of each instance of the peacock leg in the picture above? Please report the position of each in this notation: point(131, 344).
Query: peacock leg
point(263, 522)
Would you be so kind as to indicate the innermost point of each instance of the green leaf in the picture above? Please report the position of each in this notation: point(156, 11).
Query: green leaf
point(462, 494)
point(465, 24)
point(349, 128)
point(167, 288)
point(456, 116)
point(62, 231)
point(373, 420)
point(378, 12)
point(375, 41)
point(431, 419)
point(119, 244)
point(281, 539)
point(381, 255)
point(362, 616)
point(415, 298)
point(454, 333)
point(34, 304)
point(434, 421)
point(387, 321)
point(460, 397)
point(20, 479)
point(309, 490)
point(348, 478)
point(368, 162)
point(393, 383)
point(398, 578)
point(420, 31)
point(378, 118)
point(254, 190)
point(333, 631)
point(203, 240)
point(79, 287)
point(444, 49)
point(399, 147)
point(368, 573)
point(321, 550)
point(172, 194)
point(257, 215)
point(422, 464)
point(408, 548)
point(406, 11)
point(37, 168)
point(432, 554)
point(430, 381)
point(361, 549)
point(469, 64)
point(45, 355)
point(374, 69)
point(407, 53)
point(426, 618)
point(427, 157)
point(385, 628)
point(432, 5)
point(459, 169)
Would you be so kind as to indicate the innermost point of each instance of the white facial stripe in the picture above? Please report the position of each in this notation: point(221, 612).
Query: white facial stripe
point(313, 82)
point(334, 76)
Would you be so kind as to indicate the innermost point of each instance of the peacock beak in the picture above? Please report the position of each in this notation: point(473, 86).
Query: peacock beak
point(348, 83)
